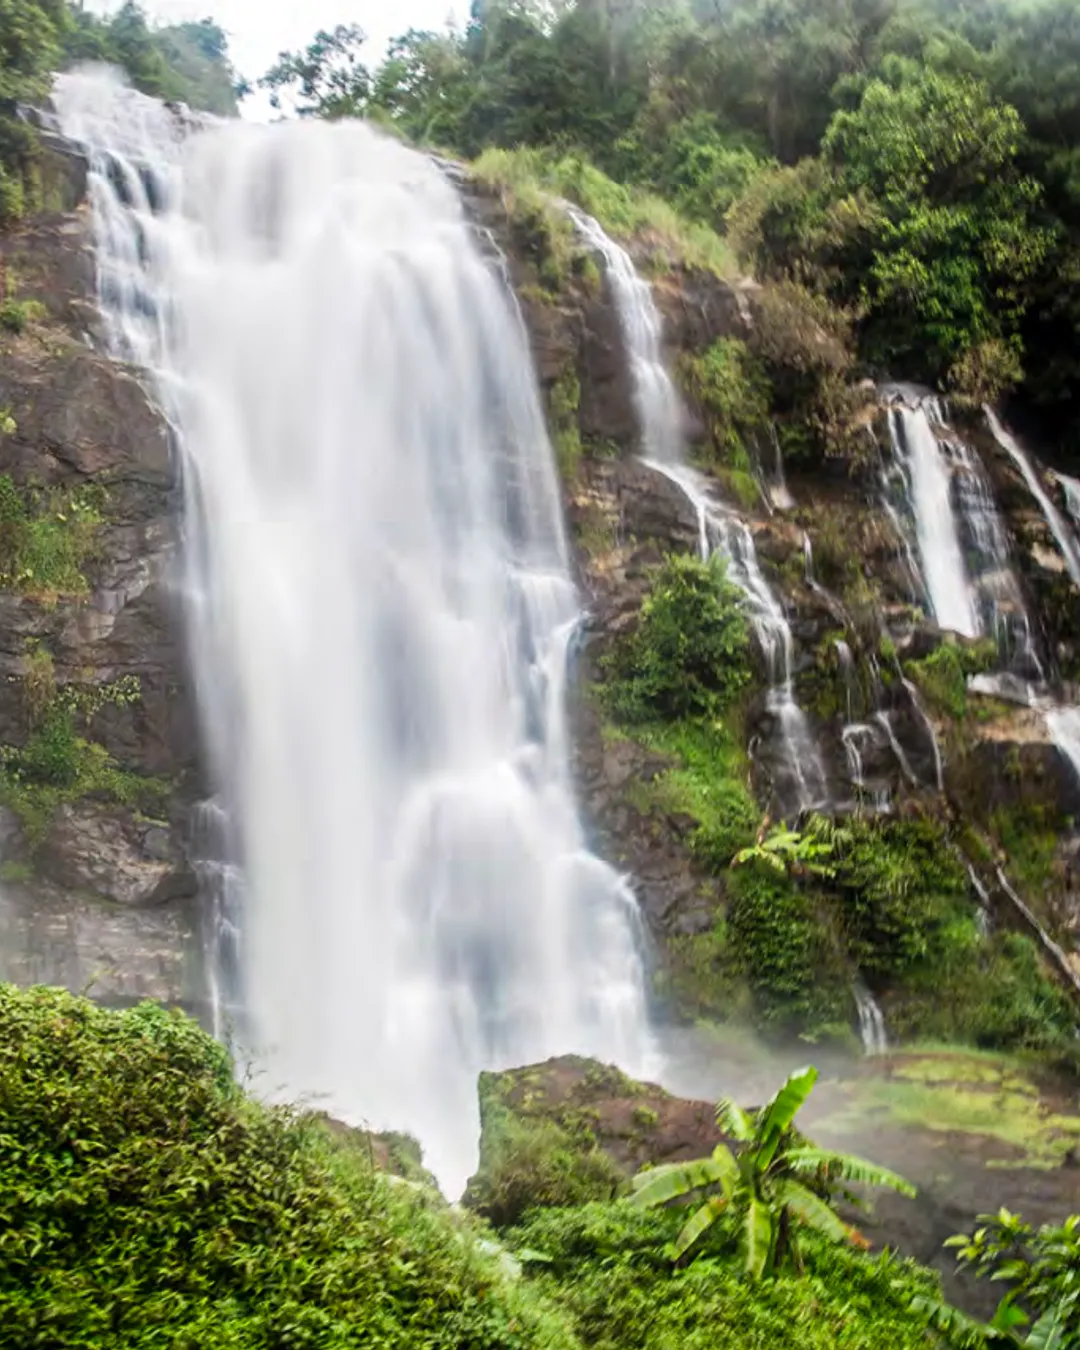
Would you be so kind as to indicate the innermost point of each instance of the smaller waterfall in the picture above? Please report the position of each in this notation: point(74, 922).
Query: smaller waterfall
point(659, 408)
point(660, 411)
point(871, 1021)
point(1063, 725)
point(779, 493)
point(984, 919)
point(1071, 489)
point(956, 540)
point(929, 489)
point(1066, 540)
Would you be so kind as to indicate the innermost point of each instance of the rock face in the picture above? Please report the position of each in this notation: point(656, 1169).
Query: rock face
point(98, 890)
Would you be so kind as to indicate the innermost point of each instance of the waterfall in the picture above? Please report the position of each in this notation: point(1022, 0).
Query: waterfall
point(380, 610)
point(871, 1021)
point(1071, 488)
point(929, 487)
point(801, 782)
point(1066, 541)
point(956, 539)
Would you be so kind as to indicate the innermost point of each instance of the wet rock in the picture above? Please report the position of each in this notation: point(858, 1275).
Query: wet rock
point(114, 856)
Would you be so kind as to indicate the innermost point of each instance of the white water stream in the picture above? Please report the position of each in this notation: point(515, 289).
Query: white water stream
point(800, 781)
point(380, 610)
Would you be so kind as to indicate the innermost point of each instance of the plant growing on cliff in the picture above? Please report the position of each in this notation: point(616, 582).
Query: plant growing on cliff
point(689, 655)
point(47, 537)
point(1041, 1309)
point(768, 1188)
point(145, 1201)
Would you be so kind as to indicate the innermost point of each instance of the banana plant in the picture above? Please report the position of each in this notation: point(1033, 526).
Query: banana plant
point(767, 1186)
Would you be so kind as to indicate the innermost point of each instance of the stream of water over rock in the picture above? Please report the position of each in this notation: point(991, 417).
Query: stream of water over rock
point(380, 611)
point(799, 780)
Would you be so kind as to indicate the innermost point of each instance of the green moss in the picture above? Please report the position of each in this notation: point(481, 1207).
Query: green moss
point(1028, 832)
point(702, 977)
point(942, 676)
point(563, 403)
point(16, 873)
point(709, 782)
point(950, 1091)
point(734, 396)
point(532, 1157)
point(47, 537)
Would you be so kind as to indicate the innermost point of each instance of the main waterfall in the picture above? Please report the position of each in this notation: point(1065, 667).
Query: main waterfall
point(380, 611)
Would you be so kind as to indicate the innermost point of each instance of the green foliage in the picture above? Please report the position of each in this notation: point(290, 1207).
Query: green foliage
point(532, 179)
point(734, 396)
point(17, 315)
point(146, 1202)
point(606, 1265)
point(564, 401)
point(709, 782)
point(768, 1189)
point(47, 537)
point(185, 63)
point(57, 765)
point(1041, 1308)
point(690, 653)
point(789, 947)
point(943, 675)
point(531, 1163)
point(327, 79)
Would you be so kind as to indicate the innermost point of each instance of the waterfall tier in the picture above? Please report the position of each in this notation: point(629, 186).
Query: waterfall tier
point(380, 610)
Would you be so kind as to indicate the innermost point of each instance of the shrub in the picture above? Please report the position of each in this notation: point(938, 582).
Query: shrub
point(690, 653)
point(734, 397)
point(607, 1264)
point(146, 1202)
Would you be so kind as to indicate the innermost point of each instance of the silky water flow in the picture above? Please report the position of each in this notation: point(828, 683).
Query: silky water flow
point(380, 610)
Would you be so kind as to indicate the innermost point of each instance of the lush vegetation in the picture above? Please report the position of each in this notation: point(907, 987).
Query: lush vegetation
point(47, 538)
point(769, 1190)
point(145, 1202)
point(911, 163)
point(187, 62)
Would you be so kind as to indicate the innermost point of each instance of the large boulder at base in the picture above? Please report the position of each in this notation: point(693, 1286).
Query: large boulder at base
point(574, 1130)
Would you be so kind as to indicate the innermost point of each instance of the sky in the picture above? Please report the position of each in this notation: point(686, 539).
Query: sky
point(260, 29)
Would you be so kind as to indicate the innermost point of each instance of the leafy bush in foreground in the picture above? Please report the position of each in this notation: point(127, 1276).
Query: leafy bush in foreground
point(145, 1202)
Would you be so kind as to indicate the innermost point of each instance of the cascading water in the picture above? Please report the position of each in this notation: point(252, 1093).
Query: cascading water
point(380, 610)
point(1066, 541)
point(799, 780)
point(957, 539)
point(872, 1030)
point(928, 486)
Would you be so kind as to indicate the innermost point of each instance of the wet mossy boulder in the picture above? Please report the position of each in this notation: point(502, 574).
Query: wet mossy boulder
point(573, 1130)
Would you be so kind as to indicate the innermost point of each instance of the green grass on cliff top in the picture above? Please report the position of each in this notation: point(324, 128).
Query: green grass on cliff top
point(625, 213)
point(946, 1090)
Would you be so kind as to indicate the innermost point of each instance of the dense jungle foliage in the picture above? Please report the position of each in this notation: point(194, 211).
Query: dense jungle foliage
point(146, 1201)
point(914, 162)
point(187, 62)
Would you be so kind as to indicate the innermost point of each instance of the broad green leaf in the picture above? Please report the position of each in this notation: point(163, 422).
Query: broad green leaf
point(846, 1167)
point(698, 1225)
point(778, 1115)
point(756, 1238)
point(734, 1121)
point(812, 1210)
point(658, 1185)
point(1051, 1330)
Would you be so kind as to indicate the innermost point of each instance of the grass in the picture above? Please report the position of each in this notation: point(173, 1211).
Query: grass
point(531, 177)
point(950, 1091)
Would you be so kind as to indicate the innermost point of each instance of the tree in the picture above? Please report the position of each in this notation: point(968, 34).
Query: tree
point(956, 235)
point(327, 79)
point(770, 1186)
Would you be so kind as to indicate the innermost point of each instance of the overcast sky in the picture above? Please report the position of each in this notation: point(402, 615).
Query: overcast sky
point(260, 29)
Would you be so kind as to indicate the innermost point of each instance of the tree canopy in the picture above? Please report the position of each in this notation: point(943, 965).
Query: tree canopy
point(914, 161)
